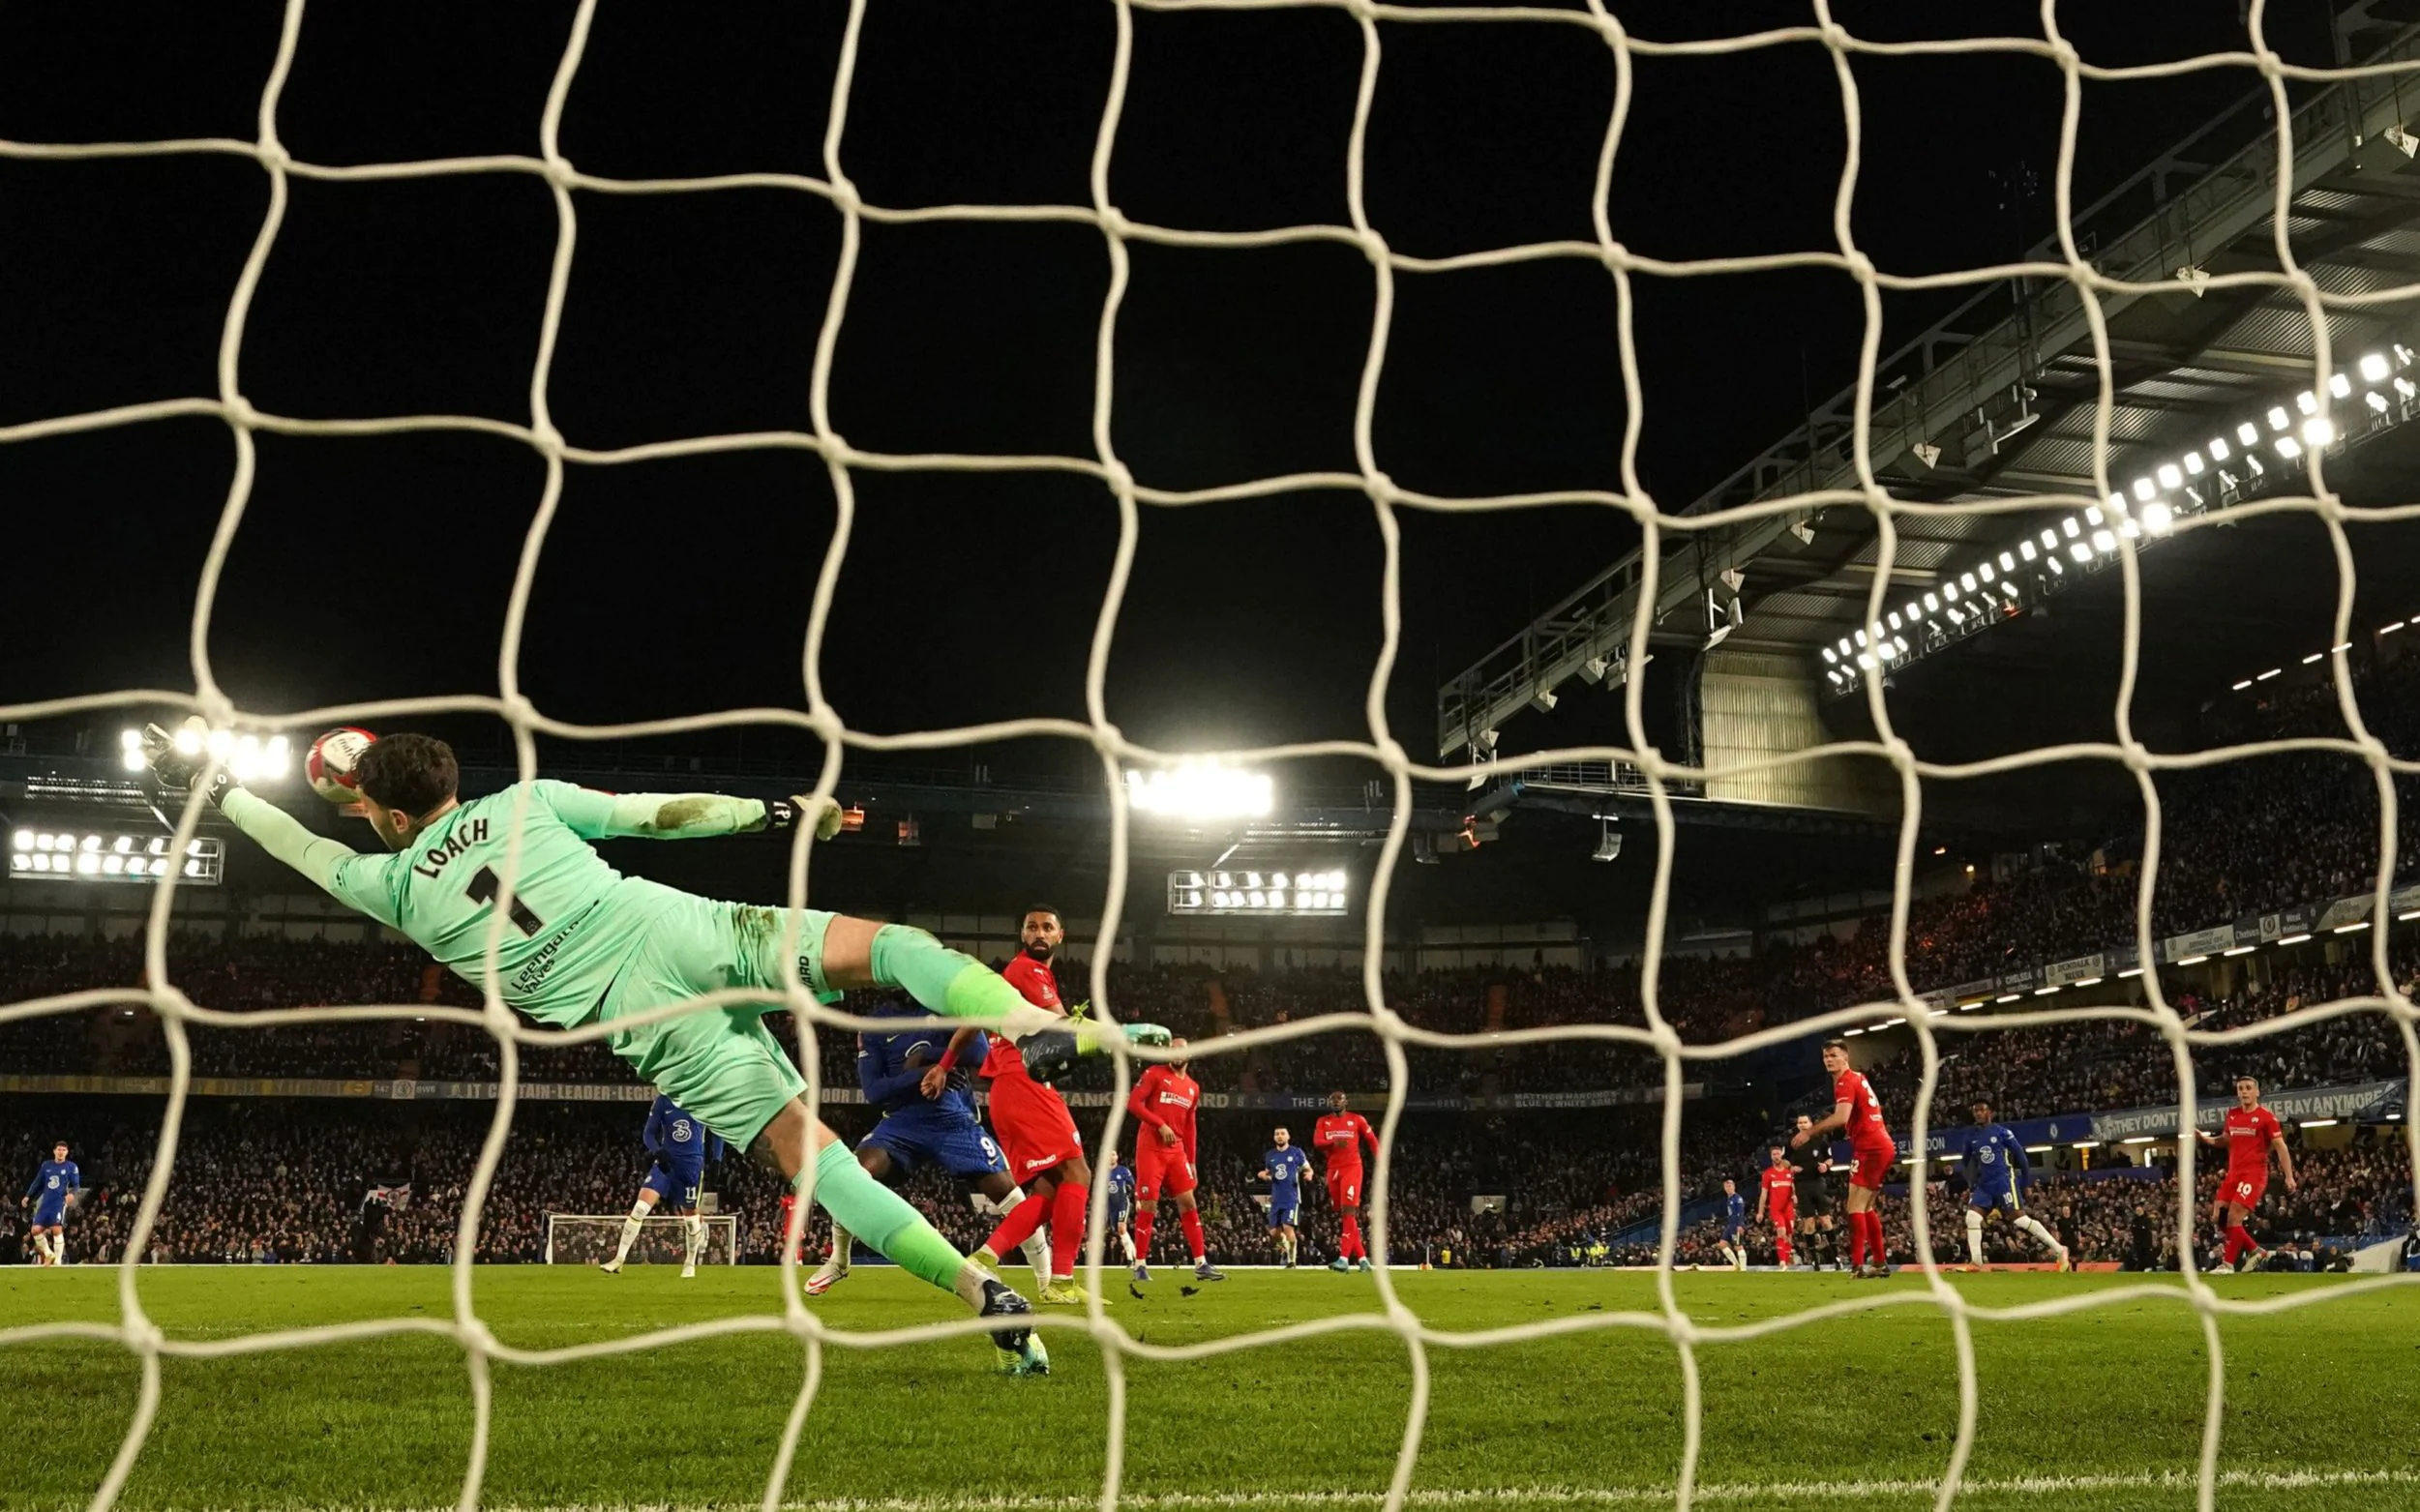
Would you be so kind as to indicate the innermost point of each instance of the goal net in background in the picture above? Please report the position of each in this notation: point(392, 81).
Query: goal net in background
point(1589, 27)
point(591, 1239)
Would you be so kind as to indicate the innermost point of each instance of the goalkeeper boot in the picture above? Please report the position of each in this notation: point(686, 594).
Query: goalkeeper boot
point(1051, 1053)
point(1018, 1348)
point(829, 1274)
point(1203, 1270)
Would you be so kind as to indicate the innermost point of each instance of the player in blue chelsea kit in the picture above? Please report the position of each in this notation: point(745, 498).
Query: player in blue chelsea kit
point(917, 1130)
point(1734, 1245)
point(55, 1185)
point(681, 1147)
point(1282, 1168)
point(1121, 1215)
point(1996, 1170)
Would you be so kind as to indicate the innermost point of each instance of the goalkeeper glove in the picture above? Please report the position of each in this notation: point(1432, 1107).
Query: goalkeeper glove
point(174, 770)
point(782, 813)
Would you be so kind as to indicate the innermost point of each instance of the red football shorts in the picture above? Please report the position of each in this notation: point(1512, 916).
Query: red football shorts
point(1034, 1124)
point(1784, 1214)
point(1344, 1188)
point(1873, 1164)
point(2245, 1188)
point(1157, 1166)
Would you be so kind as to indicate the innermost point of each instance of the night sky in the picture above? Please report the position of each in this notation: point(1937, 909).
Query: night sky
point(376, 568)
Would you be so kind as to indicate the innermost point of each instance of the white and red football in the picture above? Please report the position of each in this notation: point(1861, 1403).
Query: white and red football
point(333, 758)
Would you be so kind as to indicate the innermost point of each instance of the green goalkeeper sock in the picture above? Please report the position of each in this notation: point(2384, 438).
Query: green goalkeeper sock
point(949, 982)
point(882, 1219)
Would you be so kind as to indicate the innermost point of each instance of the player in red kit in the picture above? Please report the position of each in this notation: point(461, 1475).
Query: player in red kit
point(1338, 1136)
point(1857, 1113)
point(1776, 1200)
point(2249, 1132)
point(1031, 1122)
point(1164, 1154)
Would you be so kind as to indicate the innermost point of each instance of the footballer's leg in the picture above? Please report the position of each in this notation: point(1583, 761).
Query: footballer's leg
point(1001, 1191)
point(650, 1191)
point(876, 1160)
point(1974, 1236)
point(793, 1139)
point(844, 953)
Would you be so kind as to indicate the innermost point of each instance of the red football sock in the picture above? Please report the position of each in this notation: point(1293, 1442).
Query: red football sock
point(1351, 1247)
point(1018, 1226)
point(1143, 1217)
point(1067, 1215)
point(1192, 1221)
point(1781, 1247)
point(1875, 1246)
point(1856, 1240)
point(2239, 1241)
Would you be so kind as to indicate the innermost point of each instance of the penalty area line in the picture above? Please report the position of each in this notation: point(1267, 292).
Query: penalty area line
point(1730, 1491)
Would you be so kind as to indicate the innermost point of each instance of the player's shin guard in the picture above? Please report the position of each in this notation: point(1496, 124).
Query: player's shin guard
point(630, 1232)
point(693, 1232)
point(1068, 1214)
point(1974, 1236)
point(1192, 1221)
point(883, 1220)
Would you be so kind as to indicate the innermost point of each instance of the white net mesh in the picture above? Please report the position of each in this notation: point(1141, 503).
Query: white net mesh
point(1589, 25)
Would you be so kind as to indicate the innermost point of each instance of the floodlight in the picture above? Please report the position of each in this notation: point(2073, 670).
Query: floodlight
point(1201, 789)
point(2271, 672)
point(1886, 651)
point(2249, 433)
point(1844, 645)
point(2049, 539)
point(2104, 542)
point(1608, 841)
point(2278, 420)
point(2072, 528)
point(2339, 385)
point(1984, 571)
point(188, 742)
point(2080, 552)
point(1966, 580)
point(1901, 642)
point(2317, 433)
point(2220, 451)
point(2025, 549)
point(1805, 532)
point(1932, 604)
point(2241, 685)
point(1543, 701)
point(2171, 477)
point(1911, 612)
point(2312, 656)
point(2404, 387)
point(1861, 638)
point(2288, 448)
point(2093, 515)
point(2193, 464)
point(2307, 402)
point(2373, 369)
point(2252, 460)
point(1895, 619)
point(1593, 670)
point(1948, 590)
point(2144, 489)
point(2375, 400)
point(23, 840)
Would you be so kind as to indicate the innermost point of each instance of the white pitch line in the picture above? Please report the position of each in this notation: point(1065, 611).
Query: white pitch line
point(1556, 1495)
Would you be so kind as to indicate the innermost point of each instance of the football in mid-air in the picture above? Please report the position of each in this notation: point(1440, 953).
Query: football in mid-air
point(333, 757)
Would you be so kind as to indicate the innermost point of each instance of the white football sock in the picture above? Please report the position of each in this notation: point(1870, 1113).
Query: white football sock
point(1125, 1242)
point(630, 1232)
point(1974, 1237)
point(841, 1241)
point(2033, 1225)
point(693, 1229)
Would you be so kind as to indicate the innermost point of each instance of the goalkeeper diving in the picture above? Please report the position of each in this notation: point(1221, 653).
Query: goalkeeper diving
point(584, 944)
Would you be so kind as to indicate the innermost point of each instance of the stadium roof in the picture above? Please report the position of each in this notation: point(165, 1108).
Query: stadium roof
point(2007, 388)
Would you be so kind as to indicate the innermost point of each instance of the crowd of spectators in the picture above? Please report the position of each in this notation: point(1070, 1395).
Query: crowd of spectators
point(302, 1180)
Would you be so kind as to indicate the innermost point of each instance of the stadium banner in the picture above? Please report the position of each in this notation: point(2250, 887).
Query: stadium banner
point(2019, 982)
point(1967, 991)
point(1951, 1139)
point(405, 1089)
point(2352, 910)
point(2058, 973)
point(2360, 1100)
point(2201, 942)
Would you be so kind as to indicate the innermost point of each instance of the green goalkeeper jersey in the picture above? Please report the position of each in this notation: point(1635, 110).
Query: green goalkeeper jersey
point(574, 920)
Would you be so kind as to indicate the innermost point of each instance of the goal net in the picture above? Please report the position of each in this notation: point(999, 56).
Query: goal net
point(591, 1239)
point(1588, 26)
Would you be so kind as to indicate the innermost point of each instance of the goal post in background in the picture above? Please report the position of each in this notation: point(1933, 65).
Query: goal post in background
point(588, 1238)
point(1589, 26)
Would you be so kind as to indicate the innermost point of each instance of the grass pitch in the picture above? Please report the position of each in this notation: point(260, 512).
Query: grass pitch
point(2095, 1410)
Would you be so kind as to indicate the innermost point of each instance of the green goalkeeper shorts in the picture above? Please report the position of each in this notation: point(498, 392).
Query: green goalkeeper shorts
point(721, 1065)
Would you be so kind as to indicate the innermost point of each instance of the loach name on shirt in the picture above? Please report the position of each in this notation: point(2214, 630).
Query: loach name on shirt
point(433, 860)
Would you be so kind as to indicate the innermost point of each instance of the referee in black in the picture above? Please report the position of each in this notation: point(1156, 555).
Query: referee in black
point(1810, 1171)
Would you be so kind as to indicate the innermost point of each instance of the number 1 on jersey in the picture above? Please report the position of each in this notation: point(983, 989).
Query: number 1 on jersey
point(483, 888)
